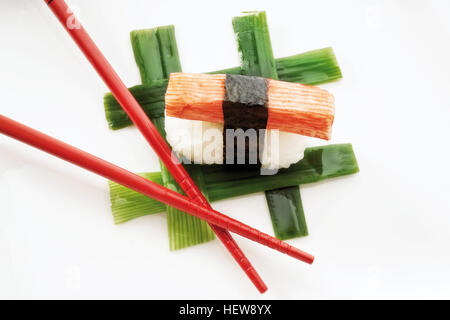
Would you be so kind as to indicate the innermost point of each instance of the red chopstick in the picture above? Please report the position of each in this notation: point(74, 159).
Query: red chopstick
point(145, 126)
point(128, 179)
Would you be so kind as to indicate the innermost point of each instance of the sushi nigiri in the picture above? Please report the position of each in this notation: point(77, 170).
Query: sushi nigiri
point(202, 109)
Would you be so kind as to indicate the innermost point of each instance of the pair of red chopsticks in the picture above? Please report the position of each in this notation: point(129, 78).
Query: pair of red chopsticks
point(196, 205)
point(133, 181)
point(137, 183)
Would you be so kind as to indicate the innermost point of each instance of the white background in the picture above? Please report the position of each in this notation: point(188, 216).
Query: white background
point(383, 233)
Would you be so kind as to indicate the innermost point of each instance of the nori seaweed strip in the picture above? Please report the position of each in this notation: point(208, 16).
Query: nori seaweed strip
point(244, 107)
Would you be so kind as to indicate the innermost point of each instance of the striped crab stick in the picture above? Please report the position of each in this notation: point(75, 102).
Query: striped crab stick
point(288, 107)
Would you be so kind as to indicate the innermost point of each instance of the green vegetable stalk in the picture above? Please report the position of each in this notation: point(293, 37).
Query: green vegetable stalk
point(313, 67)
point(319, 163)
point(156, 55)
point(252, 34)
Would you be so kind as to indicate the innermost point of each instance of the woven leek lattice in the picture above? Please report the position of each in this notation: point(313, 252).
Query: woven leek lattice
point(156, 55)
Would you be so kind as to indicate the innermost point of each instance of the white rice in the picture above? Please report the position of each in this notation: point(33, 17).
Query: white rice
point(202, 142)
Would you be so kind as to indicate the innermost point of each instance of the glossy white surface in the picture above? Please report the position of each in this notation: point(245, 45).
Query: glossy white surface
point(380, 234)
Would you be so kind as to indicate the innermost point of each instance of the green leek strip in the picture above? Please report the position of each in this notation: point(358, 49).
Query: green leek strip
point(286, 213)
point(127, 204)
point(252, 34)
point(313, 67)
point(156, 55)
point(150, 97)
point(319, 163)
point(150, 66)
